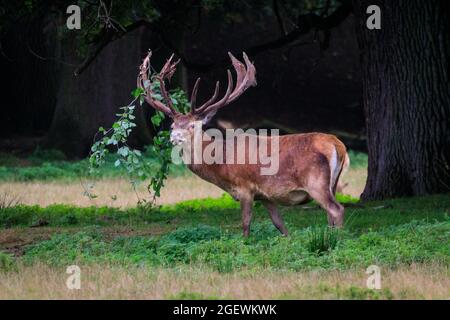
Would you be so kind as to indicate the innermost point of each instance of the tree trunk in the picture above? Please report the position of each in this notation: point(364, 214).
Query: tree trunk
point(406, 96)
point(92, 99)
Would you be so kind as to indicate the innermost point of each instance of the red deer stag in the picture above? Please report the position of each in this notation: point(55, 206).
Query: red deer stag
point(309, 165)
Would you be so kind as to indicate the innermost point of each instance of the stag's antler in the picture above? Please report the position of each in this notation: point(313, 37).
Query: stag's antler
point(166, 73)
point(246, 78)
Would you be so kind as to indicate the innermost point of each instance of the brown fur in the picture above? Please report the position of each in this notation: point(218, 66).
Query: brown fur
point(304, 174)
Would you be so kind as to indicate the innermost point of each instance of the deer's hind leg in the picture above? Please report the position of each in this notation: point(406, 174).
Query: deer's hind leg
point(321, 191)
point(335, 211)
point(275, 216)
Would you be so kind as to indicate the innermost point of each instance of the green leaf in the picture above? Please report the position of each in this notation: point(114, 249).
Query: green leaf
point(123, 151)
point(156, 120)
point(137, 92)
point(119, 134)
point(111, 142)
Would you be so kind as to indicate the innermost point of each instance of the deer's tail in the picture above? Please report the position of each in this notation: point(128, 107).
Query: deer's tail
point(339, 164)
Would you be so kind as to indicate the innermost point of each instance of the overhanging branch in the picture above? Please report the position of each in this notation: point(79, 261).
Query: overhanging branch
point(305, 23)
point(106, 37)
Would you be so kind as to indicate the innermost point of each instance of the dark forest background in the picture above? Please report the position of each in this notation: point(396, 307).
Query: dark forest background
point(319, 68)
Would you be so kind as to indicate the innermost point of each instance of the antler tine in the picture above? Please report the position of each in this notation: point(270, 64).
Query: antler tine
point(166, 73)
point(194, 94)
point(144, 83)
point(245, 78)
point(167, 64)
point(143, 69)
point(224, 100)
point(211, 100)
point(165, 95)
point(169, 68)
point(239, 67)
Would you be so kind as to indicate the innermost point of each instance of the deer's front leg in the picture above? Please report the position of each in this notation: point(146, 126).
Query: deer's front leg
point(246, 210)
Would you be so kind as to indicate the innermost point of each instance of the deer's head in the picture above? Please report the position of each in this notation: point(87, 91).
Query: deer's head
point(183, 125)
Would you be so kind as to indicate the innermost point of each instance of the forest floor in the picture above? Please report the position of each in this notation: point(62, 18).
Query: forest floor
point(190, 245)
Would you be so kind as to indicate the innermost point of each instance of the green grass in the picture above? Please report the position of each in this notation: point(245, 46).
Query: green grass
point(414, 242)
point(207, 232)
point(224, 212)
point(7, 263)
point(52, 165)
point(322, 240)
point(357, 159)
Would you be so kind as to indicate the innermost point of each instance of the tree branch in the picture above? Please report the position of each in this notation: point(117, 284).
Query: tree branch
point(107, 36)
point(306, 23)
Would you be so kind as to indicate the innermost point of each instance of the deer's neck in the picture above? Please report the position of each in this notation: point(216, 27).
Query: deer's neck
point(196, 161)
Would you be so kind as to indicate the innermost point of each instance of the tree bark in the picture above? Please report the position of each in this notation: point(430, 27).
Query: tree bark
point(406, 96)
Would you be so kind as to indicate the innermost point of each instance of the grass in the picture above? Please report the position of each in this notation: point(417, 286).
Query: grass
point(117, 192)
point(322, 240)
point(224, 211)
point(7, 263)
point(207, 232)
point(51, 165)
point(46, 178)
point(357, 159)
point(224, 252)
point(194, 249)
point(190, 248)
point(417, 281)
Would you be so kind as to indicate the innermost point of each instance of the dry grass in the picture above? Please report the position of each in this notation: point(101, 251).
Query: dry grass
point(97, 282)
point(8, 200)
point(109, 192)
point(118, 192)
point(355, 180)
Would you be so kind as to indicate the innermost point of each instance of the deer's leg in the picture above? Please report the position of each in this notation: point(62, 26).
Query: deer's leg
point(275, 216)
point(246, 210)
point(335, 211)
